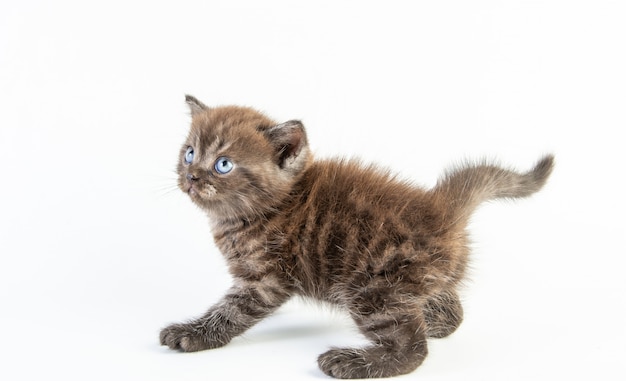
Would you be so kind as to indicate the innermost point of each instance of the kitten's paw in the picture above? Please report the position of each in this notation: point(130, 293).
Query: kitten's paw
point(370, 362)
point(443, 315)
point(343, 363)
point(187, 338)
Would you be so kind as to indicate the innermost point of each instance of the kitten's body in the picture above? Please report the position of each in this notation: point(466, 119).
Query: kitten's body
point(390, 253)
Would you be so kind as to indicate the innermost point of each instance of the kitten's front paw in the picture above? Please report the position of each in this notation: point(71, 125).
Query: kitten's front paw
point(369, 362)
point(344, 363)
point(187, 338)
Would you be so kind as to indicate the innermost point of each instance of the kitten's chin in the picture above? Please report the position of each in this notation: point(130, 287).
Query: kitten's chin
point(203, 202)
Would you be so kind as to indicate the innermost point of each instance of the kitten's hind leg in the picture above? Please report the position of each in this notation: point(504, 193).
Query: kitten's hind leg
point(399, 347)
point(443, 314)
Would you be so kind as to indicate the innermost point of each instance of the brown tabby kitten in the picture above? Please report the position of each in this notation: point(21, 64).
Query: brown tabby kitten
point(388, 252)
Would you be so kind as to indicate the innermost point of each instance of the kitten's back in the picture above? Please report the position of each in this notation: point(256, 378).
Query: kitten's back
point(347, 183)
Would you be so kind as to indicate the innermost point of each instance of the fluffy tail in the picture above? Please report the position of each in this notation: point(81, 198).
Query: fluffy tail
point(462, 189)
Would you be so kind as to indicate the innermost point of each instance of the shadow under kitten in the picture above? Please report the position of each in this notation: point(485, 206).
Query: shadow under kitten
point(389, 253)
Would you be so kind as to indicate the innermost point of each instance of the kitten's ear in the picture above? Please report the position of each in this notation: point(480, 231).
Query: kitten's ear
point(195, 105)
point(290, 142)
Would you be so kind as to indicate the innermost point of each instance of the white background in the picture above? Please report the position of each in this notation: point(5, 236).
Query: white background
point(99, 250)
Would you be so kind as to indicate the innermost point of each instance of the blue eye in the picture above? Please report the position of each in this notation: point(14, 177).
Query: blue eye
point(223, 165)
point(189, 155)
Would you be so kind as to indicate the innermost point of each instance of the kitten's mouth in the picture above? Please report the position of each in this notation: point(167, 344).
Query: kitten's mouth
point(197, 192)
point(192, 191)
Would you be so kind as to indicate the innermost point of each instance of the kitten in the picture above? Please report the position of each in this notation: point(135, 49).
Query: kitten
point(388, 252)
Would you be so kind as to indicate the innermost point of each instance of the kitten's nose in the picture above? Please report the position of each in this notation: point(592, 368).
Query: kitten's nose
point(191, 177)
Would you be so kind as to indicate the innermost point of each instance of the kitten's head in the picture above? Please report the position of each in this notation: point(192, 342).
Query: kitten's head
point(237, 163)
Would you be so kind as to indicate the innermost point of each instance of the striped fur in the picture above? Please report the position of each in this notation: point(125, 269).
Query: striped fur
point(390, 253)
